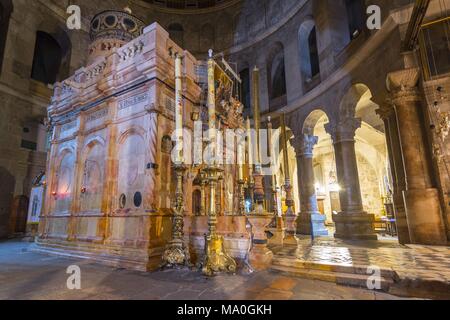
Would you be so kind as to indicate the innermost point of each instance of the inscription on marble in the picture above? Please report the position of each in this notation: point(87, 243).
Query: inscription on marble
point(69, 126)
point(170, 104)
point(127, 103)
point(97, 115)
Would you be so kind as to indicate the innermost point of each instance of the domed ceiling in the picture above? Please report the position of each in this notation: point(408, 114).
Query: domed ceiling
point(191, 4)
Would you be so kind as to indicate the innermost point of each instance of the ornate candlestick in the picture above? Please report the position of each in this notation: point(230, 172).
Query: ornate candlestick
point(203, 183)
point(176, 253)
point(241, 183)
point(290, 215)
point(274, 208)
point(260, 257)
point(216, 259)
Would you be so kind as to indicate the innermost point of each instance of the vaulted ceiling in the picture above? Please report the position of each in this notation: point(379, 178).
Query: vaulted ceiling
point(190, 4)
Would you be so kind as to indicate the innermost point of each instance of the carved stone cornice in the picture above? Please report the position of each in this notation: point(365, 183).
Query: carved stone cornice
point(402, 85)
point(344, 129)
point(304, 144)
point(386, 110)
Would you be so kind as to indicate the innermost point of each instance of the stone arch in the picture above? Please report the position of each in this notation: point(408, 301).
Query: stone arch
point(92, 174)
point(6, 9)
point(350, 100)
point(276, 76)
point(312, 119)
point(131, 167)
point(355, 17)
point(308, 49)
point(52, 38)
point(133, 130)
point(7, 185)
point(64, 180)
point(245, 89)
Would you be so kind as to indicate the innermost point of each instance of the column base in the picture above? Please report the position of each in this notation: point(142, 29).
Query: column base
point(260, 257)
point(316, 221)
point(423, 211)
point(400, 219)
point(355, 226)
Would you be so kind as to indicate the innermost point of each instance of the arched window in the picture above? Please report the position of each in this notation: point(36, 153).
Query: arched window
point(355, 16)
point(309, 53)
point(245, 88)
point(176, 33)
point(47, 58)
point(276, 75)
point(6, 8)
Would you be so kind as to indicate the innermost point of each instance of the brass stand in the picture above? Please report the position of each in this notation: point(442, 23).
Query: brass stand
point(273, 224)
point(251, 187)
point(176, 253)
point(241, 184)
point(216, 259)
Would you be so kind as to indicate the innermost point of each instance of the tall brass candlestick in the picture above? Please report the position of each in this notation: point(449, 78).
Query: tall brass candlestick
point(287, 174)
point(216, 259)
point(258, 178)
point(274, 179)
point(250, 162)
point(178, 109)
point(256, 114)
point(177, 253)
point(240, 159)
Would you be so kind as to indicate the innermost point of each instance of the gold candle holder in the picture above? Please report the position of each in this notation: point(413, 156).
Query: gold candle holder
point(177, 253)
point(216, 258)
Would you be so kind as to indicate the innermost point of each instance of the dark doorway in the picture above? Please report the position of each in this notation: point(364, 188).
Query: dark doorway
point(7, 185)
point(47, 59)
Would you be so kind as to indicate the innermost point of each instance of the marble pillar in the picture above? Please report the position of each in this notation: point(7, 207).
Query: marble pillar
point(387, 113)
point(422, 206)
point(310, 220)
point(352, 222)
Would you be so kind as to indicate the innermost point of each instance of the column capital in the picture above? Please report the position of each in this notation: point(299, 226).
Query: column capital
point(402, 85)
point(343, 129)
point(304, 144)
point(386, 110)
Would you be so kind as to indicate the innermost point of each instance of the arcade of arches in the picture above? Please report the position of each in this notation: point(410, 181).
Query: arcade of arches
point(87, 118)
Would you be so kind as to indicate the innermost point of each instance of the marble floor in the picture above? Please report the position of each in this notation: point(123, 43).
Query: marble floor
point(27, 275)
point(431, 263)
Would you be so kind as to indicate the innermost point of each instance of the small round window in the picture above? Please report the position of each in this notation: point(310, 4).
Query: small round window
point(122, 201)
point(137, 199)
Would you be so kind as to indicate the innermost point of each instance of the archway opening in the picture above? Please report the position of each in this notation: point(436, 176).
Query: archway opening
point(324, 166)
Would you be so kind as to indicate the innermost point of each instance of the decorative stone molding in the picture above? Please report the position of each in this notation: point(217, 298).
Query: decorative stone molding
point(403, 85)
point(386, 110)
point(344, 129)
point(304, 144)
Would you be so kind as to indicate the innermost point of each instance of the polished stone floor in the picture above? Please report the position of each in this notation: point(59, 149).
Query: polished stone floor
point(427, 263)
point(27, 275)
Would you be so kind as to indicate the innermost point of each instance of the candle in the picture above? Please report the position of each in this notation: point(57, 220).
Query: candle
point(249, 149)
point(179, 109)
point(240, 159)
point(269, 149)
point(211, 102)
point(256, 112)
point(285, 149)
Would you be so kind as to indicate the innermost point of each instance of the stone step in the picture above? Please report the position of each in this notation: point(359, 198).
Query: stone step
point(356, 276)
point(340, 278)
point(330, 267)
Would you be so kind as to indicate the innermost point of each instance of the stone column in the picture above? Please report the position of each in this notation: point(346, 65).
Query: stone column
point(387, 114)
point(309, 221)
point(421, 200)
point(352, 222)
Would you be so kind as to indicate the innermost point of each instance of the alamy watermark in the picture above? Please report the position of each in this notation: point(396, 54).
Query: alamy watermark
point(74, 280)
